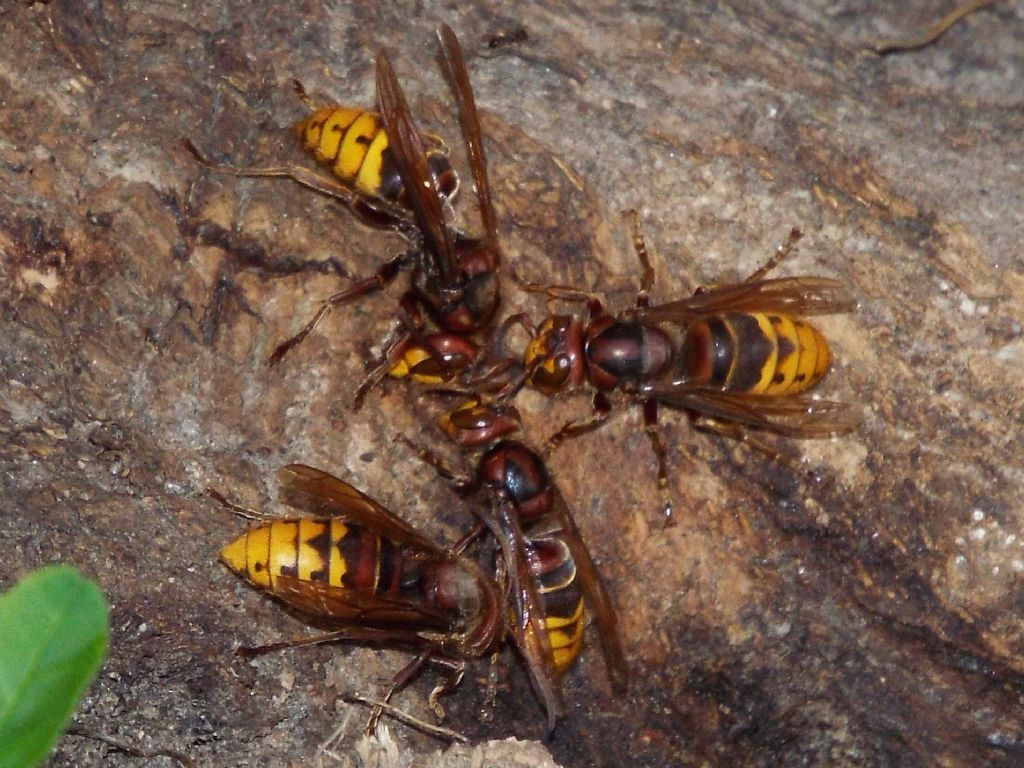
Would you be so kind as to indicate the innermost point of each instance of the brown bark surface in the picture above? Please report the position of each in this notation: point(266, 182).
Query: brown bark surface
point(863, 612)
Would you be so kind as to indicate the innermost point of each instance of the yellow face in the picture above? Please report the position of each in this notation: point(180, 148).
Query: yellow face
point(544, 357)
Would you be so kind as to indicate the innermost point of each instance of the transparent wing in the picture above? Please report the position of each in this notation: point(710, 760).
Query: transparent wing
point(406, 146)
point(528, 629)
point(790, 295)
point(323, 495)
point(783, 414)
point(356, 607)
point(597, 597)
point(455, 63)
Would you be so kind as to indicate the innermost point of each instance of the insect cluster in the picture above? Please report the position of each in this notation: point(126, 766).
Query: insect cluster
point(737, 357)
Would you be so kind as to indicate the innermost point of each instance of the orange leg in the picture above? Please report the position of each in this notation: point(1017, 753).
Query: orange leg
point(778, 257)
point(376, 213)
point(650, 406)
point(577, 427)
point(640, 246)
point(384, 275)
point(460, 481)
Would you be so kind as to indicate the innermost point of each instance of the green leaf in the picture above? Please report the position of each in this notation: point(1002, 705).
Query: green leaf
point(53, 636)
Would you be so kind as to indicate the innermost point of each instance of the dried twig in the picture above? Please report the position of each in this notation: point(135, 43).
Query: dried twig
point(932, 33)
point(405, 717)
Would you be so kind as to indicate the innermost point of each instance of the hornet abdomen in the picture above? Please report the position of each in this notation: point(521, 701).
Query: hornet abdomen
point(754, 352)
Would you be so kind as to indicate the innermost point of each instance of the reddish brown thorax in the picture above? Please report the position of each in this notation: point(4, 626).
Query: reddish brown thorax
point(471, 301)
point(518, 472)
point(621, 352)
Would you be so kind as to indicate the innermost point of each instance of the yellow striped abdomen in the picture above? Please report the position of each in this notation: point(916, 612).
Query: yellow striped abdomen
point(754, 352)
point(353, 144)
point(555, 573)
point(327, 551)
point(346, 572)
point(566, 636)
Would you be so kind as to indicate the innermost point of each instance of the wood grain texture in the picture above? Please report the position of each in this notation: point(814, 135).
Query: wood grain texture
point(866, 615)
